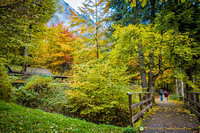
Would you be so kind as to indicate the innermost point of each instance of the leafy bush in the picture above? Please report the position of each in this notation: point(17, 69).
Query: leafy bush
point(129, 130)
point(41, 92)
point(174, 97)
point(5, 84)
point(99, 93)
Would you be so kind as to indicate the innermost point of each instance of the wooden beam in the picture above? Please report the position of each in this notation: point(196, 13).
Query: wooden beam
point(140, 96)
point(138, 93)
point(62, 77)
point(193, 102)
point(130, 109)
point(193, 92)
point(193, 110)
point(140, 113)
point(140, 103)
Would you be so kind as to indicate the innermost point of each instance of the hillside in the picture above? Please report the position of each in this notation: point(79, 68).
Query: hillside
point(15, 118)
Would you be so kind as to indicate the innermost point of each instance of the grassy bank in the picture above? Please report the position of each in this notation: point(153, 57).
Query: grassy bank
point(15, 118)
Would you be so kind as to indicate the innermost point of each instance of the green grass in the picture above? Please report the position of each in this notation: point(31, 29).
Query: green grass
point(15, 118)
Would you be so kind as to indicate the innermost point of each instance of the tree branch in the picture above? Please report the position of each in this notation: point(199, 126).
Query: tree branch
point(160, 72)
point(11, 5)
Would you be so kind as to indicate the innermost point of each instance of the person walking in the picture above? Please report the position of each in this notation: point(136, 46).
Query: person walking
point(161, 94)
point(166, 95)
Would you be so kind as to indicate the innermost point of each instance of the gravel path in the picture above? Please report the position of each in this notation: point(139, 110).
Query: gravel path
point(171, 118)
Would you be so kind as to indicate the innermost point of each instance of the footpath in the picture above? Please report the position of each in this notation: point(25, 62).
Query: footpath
point(171, 117)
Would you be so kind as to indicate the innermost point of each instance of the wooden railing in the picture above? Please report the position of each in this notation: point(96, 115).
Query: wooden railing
point(191, 101)
point(25, 76)
point(61, 77)
point(145, 103)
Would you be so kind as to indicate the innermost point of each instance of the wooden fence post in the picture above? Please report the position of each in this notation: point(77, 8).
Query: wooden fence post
point(140, 96)
point(187, 96)
point(197, 100)
point(150, 102)
point(147, 103)
point(130, 109)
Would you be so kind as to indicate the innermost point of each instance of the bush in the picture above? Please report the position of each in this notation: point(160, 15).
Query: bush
point(129, 130)
point(99, 93)
point(41, 92)
point(174, 97)
point(5, 84)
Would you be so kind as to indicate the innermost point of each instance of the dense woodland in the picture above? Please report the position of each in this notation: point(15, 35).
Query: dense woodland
point(123, 46)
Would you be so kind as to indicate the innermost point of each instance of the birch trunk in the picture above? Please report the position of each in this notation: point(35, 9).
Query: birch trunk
point(176, 86)
point(182, 89)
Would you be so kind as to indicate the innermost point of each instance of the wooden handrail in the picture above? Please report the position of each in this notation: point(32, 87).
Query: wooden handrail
point(191, 101)
point(193, 110)
point(193, 92)
point(147, 101)
point(140, 103)
point(137, 93)
point(141, 113)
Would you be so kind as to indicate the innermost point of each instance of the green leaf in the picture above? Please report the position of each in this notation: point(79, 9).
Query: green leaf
point(133, 3)
point(143, 3)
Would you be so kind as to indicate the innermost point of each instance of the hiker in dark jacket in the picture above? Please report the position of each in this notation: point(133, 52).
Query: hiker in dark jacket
point(161, 94)
point(166, 95)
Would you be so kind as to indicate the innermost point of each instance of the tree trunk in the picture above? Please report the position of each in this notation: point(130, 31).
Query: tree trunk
point(153, 91)
point(96, 30)
point(153, 10)
point(182, 89)
point(151, 79)
point(176, 86)
point(142, 66)
point(189, 73)
point(24, 67)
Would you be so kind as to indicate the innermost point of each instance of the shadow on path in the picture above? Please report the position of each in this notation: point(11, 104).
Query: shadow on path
point(171, 117)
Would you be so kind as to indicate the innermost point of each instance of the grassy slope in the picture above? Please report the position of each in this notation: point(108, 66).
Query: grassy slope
point(21, 119)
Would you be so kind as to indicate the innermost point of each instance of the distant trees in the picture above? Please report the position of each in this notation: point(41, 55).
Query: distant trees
point(181, 17)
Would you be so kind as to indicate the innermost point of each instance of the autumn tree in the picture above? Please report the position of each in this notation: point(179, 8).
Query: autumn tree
point(92, 24)
point(55, 49)
point(19, 20)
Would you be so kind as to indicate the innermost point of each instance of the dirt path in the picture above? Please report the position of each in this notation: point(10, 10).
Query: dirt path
point(171, 117)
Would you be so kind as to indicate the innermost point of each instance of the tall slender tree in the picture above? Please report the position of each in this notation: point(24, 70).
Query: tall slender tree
point(92, 27)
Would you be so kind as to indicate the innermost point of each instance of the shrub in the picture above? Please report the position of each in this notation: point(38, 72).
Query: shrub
point(174, 97)
point(99, 93)
point(129, 130)
point(5, 84)
point(41, 92)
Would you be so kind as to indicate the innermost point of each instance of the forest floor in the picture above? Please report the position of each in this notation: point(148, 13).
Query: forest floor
point(171, 117)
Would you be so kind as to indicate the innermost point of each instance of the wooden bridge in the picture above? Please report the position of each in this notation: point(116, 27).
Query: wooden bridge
point(31, 72)
point(170, 117)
